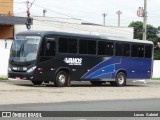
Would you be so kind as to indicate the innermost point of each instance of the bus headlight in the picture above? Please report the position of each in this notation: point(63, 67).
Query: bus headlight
point(31, 69)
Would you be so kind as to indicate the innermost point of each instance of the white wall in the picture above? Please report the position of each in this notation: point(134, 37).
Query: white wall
point(4, 55)
point(156, 69)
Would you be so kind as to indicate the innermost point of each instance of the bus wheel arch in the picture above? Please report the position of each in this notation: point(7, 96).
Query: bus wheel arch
point(62, 78)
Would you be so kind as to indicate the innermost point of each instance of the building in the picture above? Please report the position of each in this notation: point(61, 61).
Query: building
point(6, 9)
point(7, 20)
point(75, 26)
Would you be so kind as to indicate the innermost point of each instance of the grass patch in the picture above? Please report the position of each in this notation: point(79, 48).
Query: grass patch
point(155, 78)
point(3, 78)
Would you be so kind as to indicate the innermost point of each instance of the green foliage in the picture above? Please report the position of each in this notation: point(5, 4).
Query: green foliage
point(155, 78)
point(151, 35)
point(157, 54)
point(138, 26)
point(3, 78)
point(138, 31)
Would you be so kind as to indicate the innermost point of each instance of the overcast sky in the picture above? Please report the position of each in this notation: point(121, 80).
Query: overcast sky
point(92, 10)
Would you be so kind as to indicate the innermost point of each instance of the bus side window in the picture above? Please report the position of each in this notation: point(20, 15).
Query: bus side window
point(87, 47)
point(140, 50)
point(68, 45)
point(102, 48)
point(91, 47)
point(63, 45)
point(110, 48)
point(148, 51)
point(118, 49)
point(134, 50)
point(48, 48)
point(72, 48)
point(126, 50)
point(83, 46)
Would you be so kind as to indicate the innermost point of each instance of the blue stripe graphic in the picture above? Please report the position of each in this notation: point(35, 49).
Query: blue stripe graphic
point(104, 70)
point(107, 62)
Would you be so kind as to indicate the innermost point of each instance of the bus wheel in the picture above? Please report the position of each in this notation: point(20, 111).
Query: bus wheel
point(37, 82)
point(96, 83)
point(61, 79)
point(120, 79)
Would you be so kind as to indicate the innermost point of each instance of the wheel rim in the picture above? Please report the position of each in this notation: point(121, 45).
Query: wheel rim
point(120, 79)
point(62, 79)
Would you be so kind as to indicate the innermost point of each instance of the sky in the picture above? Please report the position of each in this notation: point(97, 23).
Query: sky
point(92, 10)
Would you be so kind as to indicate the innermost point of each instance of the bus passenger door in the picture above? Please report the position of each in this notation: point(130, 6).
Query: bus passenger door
point(47, 54)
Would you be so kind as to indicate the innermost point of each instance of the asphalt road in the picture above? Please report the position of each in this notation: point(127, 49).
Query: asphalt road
point(105, 105)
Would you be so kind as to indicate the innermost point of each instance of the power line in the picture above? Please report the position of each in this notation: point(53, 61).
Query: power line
point(55, 11)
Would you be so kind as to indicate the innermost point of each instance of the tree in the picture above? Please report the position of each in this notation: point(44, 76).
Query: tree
point(138, 31)
point(151, 35)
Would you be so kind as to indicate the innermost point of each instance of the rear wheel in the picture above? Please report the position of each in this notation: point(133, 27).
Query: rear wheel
point(37, 82)
point(96, 83)
point(120, 80)
point(61, 79)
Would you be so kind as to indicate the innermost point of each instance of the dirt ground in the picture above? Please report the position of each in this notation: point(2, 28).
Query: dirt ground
point(19, 92)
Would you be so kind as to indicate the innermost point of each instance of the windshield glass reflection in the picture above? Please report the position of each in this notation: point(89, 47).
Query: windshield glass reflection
point(25, 48)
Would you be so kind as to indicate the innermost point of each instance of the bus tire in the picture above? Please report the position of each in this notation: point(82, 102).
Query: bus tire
point(61, 79)
point(96, 83)
point(37, 82)
point(120, 79)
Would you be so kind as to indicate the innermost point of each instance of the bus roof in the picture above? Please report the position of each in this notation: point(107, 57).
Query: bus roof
point(100, 36)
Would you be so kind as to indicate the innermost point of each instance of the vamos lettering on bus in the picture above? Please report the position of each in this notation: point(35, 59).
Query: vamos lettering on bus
point(73, 61)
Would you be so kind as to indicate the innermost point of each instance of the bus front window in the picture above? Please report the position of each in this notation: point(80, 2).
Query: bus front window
point(25, 48)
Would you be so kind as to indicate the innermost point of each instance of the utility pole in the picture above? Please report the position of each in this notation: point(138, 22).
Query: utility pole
point(28, 8)
point(29, 20)
point(145, 21)
point(104, 19)
point(119, 17)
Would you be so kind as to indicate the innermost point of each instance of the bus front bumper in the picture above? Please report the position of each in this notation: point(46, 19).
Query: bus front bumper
point(20, 76)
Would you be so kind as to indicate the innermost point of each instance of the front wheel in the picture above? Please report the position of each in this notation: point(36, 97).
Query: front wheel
point(61, 79)
point(37, 82)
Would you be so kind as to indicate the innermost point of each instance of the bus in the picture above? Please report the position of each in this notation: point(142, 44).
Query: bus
point(59, 57)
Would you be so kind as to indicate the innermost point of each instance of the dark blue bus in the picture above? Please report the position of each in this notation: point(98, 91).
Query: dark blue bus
point(44, 56)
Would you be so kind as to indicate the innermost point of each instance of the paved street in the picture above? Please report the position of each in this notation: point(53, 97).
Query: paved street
point(105, 105)
point(23, 92)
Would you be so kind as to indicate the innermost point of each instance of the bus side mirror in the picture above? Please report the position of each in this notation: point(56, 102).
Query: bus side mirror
point(48, 46)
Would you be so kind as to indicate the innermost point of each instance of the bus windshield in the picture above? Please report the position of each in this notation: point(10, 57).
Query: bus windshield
point(25, 48)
